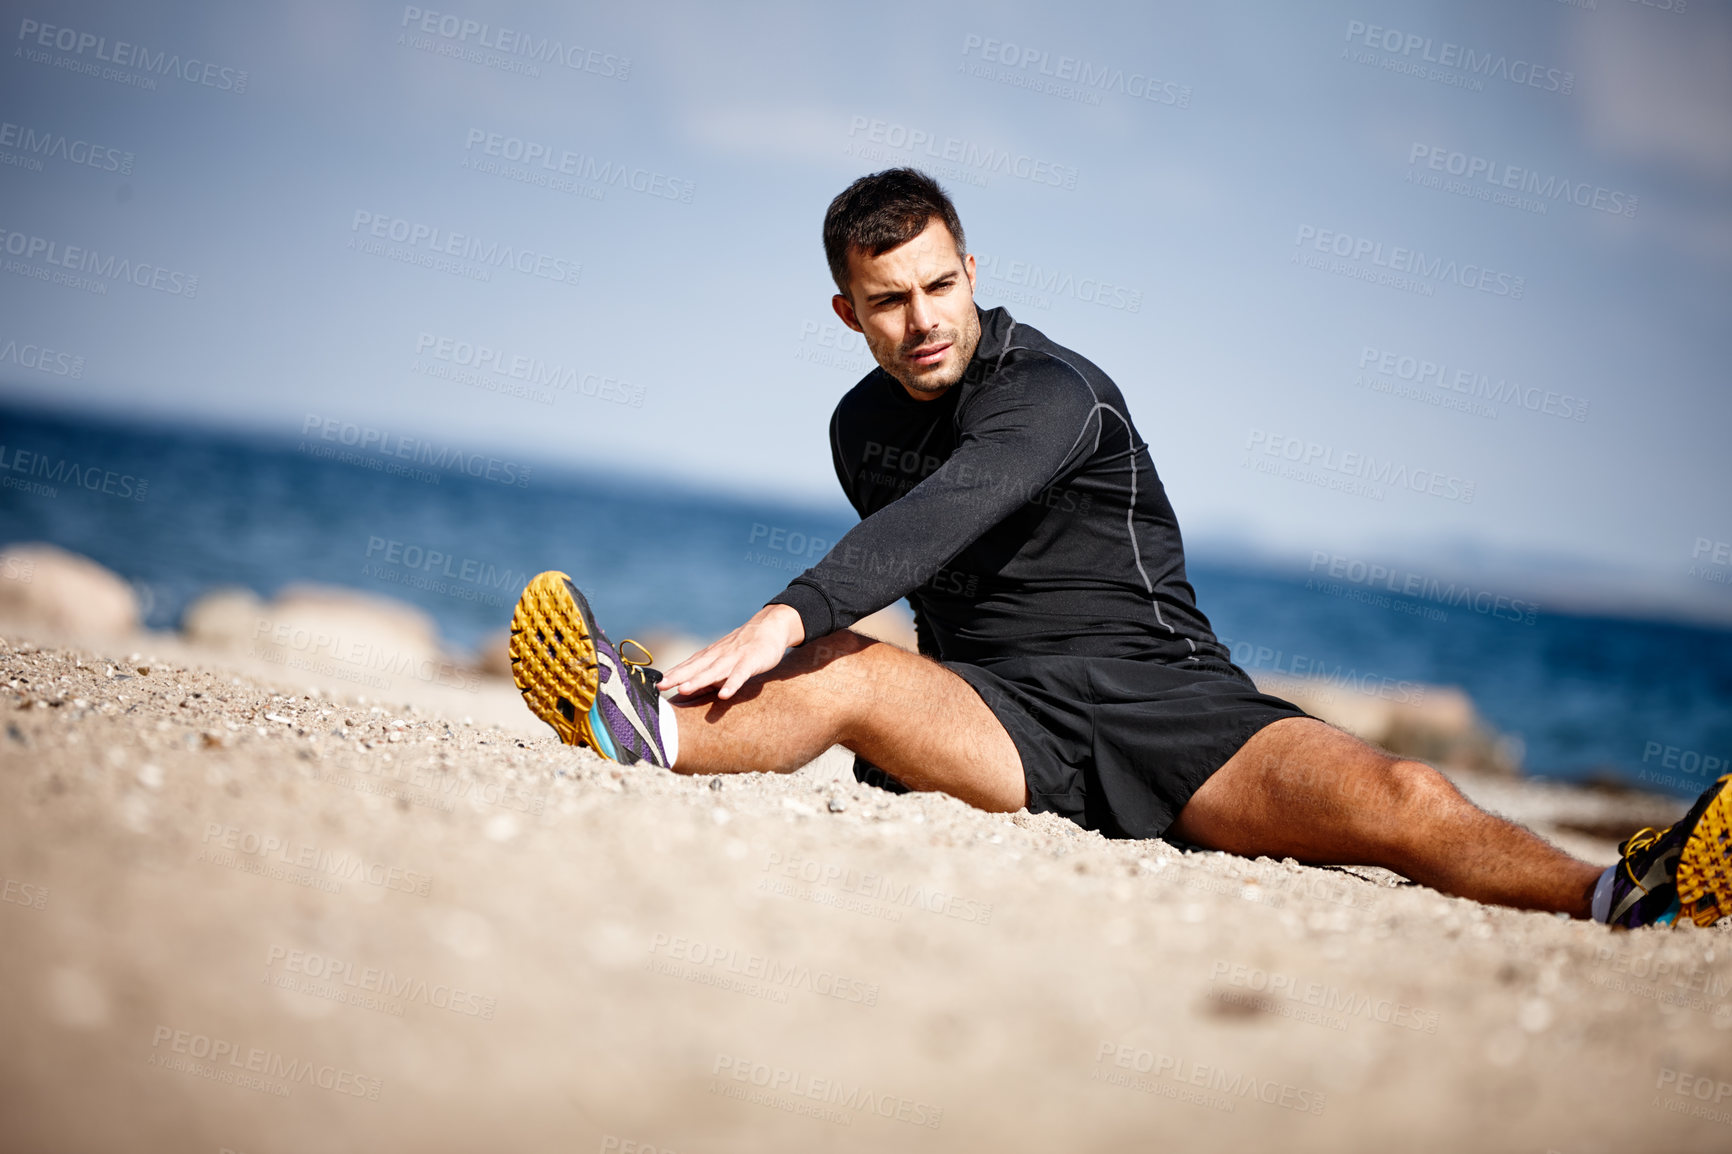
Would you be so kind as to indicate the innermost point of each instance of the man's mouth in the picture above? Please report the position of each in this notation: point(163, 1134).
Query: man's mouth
point(929, 355)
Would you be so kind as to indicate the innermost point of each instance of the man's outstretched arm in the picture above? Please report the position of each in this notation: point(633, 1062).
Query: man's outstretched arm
point(1018, 437)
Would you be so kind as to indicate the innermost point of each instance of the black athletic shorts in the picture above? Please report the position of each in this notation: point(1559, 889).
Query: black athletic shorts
point(1116, 745)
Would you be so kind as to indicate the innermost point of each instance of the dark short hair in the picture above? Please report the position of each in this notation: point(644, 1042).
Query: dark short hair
point(878, 212)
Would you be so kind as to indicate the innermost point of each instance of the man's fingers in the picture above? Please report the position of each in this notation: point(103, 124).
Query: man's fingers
point(728, 663)
point(703, 675)
point(696, 665)
point(741, 674)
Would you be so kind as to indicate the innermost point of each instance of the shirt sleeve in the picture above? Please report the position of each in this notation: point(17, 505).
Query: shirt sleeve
point(1019, 432)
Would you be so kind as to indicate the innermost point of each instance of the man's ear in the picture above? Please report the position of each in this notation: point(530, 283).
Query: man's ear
point(845, 309)
point(968, 267)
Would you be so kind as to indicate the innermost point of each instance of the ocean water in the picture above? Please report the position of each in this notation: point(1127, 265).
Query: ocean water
point(179, 512)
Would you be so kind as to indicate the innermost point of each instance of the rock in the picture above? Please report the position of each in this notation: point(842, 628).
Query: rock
point(45, 587)
point(495, 656)
point(307, 626)
point(1436, 724)
point(223, 618)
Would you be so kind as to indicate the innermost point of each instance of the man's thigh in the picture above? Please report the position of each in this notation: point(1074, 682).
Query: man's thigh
point(1298, 788)
point(918, 721)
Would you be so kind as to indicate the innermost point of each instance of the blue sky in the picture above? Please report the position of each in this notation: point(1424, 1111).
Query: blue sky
point(1438, 282)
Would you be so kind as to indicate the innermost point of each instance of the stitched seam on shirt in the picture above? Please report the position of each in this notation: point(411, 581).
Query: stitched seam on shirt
point(1130, 509)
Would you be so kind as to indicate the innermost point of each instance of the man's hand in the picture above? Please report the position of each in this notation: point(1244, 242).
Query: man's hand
point(755, 647)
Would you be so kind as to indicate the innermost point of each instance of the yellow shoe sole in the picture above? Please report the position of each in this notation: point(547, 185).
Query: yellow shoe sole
point(553, 657)
point(1704, 876)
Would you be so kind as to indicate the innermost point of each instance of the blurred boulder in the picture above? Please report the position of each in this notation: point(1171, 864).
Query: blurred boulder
point(46, 587)
point(494, 659)
point(1430, 723)
point(223, 618)
point(306, 626)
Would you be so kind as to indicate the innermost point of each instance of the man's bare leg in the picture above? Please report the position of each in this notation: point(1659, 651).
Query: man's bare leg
point(1298, 788)
point(910, 716)
point(1303, 789)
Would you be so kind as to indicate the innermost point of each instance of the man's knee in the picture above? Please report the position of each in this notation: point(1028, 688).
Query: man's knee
point(1418, 795)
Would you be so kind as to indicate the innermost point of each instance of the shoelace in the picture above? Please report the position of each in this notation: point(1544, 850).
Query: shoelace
point(639, 671)
point(1639, 841)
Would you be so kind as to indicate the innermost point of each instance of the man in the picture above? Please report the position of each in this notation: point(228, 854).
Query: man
point(1064, 665)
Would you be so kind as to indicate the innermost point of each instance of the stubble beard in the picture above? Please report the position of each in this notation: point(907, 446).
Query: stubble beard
point(963, 342)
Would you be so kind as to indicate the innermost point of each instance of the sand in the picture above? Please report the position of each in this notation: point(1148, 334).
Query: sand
point(247, 911)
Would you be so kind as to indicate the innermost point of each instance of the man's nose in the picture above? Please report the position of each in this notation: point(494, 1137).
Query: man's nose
point(920, 316)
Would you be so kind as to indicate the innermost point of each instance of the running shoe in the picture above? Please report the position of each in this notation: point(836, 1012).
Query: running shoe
point(1681, 872)
point(579, 682)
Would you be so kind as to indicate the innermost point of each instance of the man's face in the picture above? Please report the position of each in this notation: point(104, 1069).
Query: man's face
point(915, 306)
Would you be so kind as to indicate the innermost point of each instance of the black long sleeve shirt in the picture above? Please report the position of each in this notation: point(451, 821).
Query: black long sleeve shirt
point(1019, 513)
